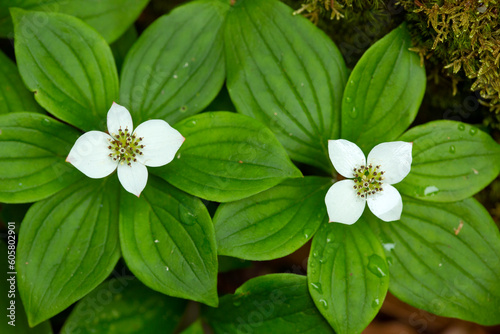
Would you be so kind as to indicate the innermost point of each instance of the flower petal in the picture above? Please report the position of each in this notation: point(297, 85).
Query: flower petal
point(161, 142)
point(394, 159)
point(345, 156)
point(90, 155)
point(133, 178)
point(342, 203)
point(119, 117)
point(386, 205)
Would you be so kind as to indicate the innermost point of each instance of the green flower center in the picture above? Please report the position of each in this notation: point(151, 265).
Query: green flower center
point(125, 147)
point(368, 180)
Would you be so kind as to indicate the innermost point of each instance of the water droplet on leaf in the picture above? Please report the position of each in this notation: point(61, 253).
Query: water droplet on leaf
point(377, 266)
point(317, 287)
point(452, 149)
point(472, 131)
point(461, 127)
point(324, 303)
point(353, 113)
point(186, 216)
point(307, 233)
point(431, 190)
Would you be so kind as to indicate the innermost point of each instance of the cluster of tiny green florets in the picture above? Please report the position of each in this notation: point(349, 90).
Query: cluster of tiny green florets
point(368, 180)
point(125, 147)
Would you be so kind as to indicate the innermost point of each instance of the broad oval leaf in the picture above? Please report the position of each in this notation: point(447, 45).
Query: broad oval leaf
point(273, 223)
point(15, 320)
point(33, 148)
point(68, 65)
point(288, 74)
point(348, 275)
point(125, 305)
point(68, 244)
point(227, 157)
point(451, 161)
point(278, 303)
point(384, 91)
point(176, 68)
point(110, 18)
point(13, 94)
point(445, 258)
point(168, 242)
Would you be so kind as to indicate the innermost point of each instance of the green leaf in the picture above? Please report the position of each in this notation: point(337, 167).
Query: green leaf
point(15, 321)
point(273, 223)
point(288, 74)
point(445, 258)
point(110, 18)
point(384, 91)
point(348, 275)
point(125, 305)
point(13, 94)
point(68, 65)
point(168, 242)
point(122, 45)
point(451, 161)
point(227, 157)
point(278, 303)
point(33, 148)
point(176, 68)
point(68, 245)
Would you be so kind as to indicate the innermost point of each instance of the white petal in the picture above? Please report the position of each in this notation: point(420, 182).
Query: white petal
point(133, 178)
point(90, 155)
point(119, 117)
point(161, 142)
point(345, 156)
point(386, 205)
point(394, 159)
point(342, 203)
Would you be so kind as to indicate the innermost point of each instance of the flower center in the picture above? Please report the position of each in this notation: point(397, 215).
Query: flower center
point(125, 147)
point(368, 180)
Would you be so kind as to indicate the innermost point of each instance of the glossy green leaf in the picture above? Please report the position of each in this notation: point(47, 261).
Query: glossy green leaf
point(273, 223)
point(445, 258)
point(195, 328)
point(176, 68)
point(68, 244)
point(287, 73)
point(278, 303)
point(168, 242)
point(125, 305)
point(13, 94)
point(451, 161)
point(33, 148)
point(110, 18)
point(15, 320)
point(348, 275)
point(227, 157)
point(384, 91)
point(68, 65)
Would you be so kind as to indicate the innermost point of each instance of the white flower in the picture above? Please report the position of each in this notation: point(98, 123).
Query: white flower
point(97, 154)
point(388, 163)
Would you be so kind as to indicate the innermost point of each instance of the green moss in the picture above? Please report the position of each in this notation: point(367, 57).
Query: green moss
point(463, 37)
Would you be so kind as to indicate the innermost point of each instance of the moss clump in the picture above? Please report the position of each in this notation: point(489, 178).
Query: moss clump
point(464, 36)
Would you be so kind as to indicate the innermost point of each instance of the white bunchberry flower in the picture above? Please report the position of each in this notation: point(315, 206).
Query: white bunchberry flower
point(388, 163)
point(97, 154)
